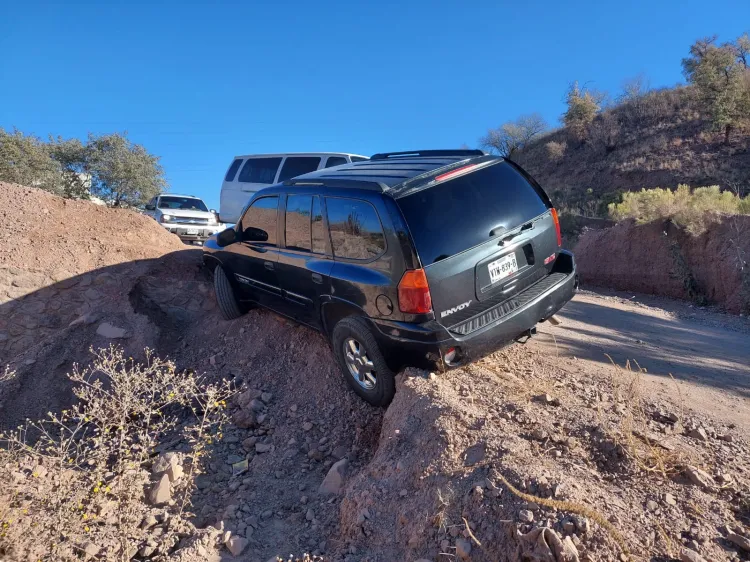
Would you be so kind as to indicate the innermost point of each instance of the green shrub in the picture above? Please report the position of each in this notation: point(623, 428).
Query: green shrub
point(692, 209)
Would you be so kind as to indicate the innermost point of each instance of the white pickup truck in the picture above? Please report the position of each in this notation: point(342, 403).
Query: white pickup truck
point(184, 215)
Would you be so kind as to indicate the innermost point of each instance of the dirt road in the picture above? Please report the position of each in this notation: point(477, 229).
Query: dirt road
point(707, 352)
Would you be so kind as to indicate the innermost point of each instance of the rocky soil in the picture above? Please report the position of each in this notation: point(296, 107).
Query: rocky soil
point(522, 456)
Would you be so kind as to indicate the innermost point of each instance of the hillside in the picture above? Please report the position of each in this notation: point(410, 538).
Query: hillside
point(660, 139)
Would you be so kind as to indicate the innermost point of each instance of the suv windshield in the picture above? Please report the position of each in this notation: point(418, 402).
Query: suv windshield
point(459, 214)
point(182, 203)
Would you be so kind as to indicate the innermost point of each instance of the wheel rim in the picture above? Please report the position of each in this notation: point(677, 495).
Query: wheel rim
point(360, 366)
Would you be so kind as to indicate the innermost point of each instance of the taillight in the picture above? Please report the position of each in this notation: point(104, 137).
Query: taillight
point(414, 293)
point(557, 225)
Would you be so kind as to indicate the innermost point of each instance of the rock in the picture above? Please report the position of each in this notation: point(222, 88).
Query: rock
point(568, 526)
point(203, 481)
point(739, 540)
point(403, 493)
point(256, 405)
point(339, 452)
point(474, 454)
point(160, 493)
point(725, 437)
point(526, 516)
point(307, 426)
point(244, 419)
point(670, 499)
point(262, 447)
point(310, 515)
point(687, 555)
point(90, 549)
point(334, 480)
point(651, 505)
point(547, 399)
point(698, 433)
point(249, 443)
point(232, 459)
point(236, 545)
point(699, 478)
point(107, 330)
point(146, 551)
point(212, 360)
point(244, 399)
point(266, 397)
point(463, 549)
point(539, 434)
point(148, 522)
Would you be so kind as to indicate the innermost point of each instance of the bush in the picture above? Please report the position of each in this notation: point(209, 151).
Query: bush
point(73, 485)
point(556, 150)
point(693, 209)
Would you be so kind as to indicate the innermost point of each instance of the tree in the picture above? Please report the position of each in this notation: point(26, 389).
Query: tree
point(122, 172)
point(26, 160)
point(720, 74)
point(71, 155)
point(510, 137)
point(583, 105)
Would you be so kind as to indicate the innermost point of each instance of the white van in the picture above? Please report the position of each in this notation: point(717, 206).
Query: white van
point(257, 171)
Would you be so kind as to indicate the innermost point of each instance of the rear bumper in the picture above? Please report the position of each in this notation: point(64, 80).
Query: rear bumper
point(425, 345)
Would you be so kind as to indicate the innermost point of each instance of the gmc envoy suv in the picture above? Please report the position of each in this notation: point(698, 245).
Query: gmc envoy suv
point(431, 259)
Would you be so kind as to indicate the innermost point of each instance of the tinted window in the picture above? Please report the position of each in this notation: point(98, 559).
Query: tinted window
point(233, 170)
point(318, 228)
point(297, 165)
point(335, 161)
point(459, 214)
point(358, 158)
point(298, 222)
point(262, 214)
point(260, 170)
point(355, 229)
point(182, 203)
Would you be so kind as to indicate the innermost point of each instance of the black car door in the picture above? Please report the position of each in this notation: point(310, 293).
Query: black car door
point(305, 262)
point(254, 257)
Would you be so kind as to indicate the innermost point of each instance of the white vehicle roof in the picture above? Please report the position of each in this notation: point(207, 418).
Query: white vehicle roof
point(282, 154)
point(178, 195)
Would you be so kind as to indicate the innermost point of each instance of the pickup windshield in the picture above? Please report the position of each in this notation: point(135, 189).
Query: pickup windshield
point(458, 214)
point(182, 203)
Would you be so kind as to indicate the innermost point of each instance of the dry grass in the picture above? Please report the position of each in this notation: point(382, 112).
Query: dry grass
point(78, 477)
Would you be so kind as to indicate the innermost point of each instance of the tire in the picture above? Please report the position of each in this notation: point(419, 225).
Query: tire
point(357, 352)
point(225, 298)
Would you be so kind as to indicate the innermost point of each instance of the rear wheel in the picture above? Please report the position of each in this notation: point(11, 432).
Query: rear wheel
point(225, 298)
point(362, 362)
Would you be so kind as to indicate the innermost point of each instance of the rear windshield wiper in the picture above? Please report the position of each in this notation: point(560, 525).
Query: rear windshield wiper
point(498, 229)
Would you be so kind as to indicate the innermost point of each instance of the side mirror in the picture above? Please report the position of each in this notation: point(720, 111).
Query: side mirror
point(212, 211)
point(252, 234)
point(226, 237)
point(150, 207)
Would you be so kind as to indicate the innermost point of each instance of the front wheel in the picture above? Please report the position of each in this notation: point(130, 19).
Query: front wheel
point(362, 362)
point(225, 298)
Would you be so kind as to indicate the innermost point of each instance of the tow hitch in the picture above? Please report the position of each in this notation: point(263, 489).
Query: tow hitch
point(526, 336)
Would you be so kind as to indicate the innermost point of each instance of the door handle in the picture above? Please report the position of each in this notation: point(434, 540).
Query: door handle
point(317, 278)
point(268, 265)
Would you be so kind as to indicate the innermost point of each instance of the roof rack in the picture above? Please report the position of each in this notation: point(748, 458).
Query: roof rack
point(336, 182)
point(406, 154)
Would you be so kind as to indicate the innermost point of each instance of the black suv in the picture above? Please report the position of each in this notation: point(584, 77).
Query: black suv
point(430, 259)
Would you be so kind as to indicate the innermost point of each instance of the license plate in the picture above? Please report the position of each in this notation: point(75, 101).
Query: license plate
point(502, 268)
point(192, 232)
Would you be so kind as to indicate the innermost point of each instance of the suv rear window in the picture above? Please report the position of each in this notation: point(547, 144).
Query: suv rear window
point(233, 170)
point(459, 214)
point(260, 170)
point(297, 165)
point(356, 232)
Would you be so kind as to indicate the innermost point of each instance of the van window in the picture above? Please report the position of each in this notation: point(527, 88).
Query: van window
point(459, 214)
point(260, 170)
point(297, 165)
point(262, 214)
point(233, 170)
point(298, 222)
point(335, 161)
point(358, 158)
point(318, 228)
point(356, 231)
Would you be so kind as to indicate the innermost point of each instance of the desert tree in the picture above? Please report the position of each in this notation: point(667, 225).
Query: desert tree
point(510, 137)
point(583, 104)
point(26, 160)
point(720, 74)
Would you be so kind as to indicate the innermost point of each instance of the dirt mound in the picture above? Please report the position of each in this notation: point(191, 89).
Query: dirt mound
point(661, 259)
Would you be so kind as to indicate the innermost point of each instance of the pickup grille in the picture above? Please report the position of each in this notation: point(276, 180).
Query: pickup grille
point(190, 220)
point(504, 308)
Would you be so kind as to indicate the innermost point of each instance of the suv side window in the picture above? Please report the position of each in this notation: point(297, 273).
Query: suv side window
point(319, 233)
point(262, 214)
point(297, 165)
point(233, 170)
point(260, 170)
point(335, 161)
point(298, 222)
point(356, 232)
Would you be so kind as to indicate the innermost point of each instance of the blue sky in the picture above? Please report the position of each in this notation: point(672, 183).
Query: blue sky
point(198, 83)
